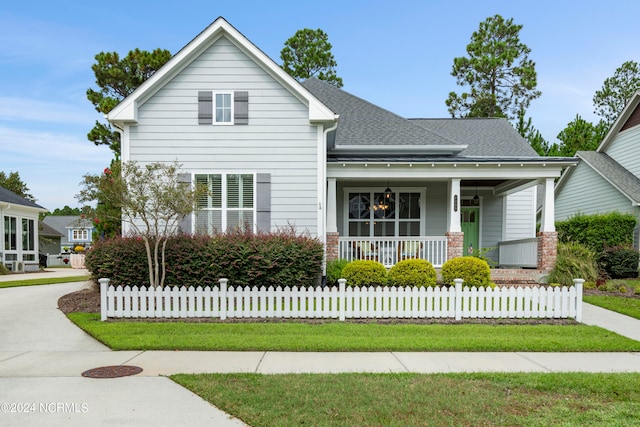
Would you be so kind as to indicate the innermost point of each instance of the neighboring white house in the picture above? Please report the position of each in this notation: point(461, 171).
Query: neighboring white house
point(19, 230)
point(607, 179)
point(368, 183)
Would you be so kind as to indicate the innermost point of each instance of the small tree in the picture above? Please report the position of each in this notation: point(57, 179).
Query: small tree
point(153, 200)
point(308, 54)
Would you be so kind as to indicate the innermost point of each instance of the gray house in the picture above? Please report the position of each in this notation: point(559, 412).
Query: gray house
point(19, 244)
point(368, 183)
point(607, 179)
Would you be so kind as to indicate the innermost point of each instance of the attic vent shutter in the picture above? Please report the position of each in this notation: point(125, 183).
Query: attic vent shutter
point(205, 108)
point(241, 108)
point(263, 202)
point(185, 223)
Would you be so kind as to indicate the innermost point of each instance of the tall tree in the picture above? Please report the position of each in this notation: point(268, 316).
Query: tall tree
point(12, 182)
point(116, 79)
point(153, 200)
point(616, 92)
point(526, 129)
point(502, 80)
point(581, 135)
point(308, 54)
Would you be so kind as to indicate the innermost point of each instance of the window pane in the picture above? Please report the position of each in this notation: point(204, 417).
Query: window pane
point(240, 191)
point(223, 107)
point(409, 228)
point(209, 222)
point(359, 228)
point(240, 219)
point(383, 206)
point(409, 205)
point(359, 206)
point(10, 233)
point(384, 228)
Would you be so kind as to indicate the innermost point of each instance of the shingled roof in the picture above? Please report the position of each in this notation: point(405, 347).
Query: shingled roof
point(12, 198)
point(613, 172)
point(362, 123)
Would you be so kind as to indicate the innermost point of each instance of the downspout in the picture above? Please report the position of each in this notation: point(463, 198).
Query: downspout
point(322, 194)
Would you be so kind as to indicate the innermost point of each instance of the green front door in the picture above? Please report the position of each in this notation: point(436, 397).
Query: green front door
point(470, 223)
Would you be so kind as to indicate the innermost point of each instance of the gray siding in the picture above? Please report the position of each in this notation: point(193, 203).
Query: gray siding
point(278, 139)
point(491, 224)
point(625, 150)
point(436, 216)
point(520, 215)
point(587, 192)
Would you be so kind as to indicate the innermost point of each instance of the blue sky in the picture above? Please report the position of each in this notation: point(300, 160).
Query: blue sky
point(395, 54)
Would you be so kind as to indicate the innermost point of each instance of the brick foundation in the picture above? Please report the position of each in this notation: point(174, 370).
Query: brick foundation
point(455, 243)
point(332, 246)
point(547, 250)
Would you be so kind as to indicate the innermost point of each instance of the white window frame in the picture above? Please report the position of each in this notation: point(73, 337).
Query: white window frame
point(224, 209)
point(80, 235)
point(215, 108)
point(397, 220)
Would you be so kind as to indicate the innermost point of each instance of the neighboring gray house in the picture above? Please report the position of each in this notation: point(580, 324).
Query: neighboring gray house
point(50, 239)
point(75, 230)
point(19, 244)
point(368, 183)
point(607, 179)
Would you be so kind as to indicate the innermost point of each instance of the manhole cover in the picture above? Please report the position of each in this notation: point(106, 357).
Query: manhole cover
point(112, 371)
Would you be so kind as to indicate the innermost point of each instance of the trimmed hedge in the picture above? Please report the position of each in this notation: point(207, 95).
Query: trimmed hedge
point(334, 271)
point(412, 272)
point(598, 232)
point(619, 262)
point(365, 273)
point(246, 259)
point(474, 271)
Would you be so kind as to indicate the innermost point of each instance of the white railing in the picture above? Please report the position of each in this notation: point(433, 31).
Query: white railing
point(519, 253)
point(341, 302)
point(390, 250)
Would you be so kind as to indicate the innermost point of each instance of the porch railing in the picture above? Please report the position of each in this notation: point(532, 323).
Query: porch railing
point(519, 253)
point(391, 250)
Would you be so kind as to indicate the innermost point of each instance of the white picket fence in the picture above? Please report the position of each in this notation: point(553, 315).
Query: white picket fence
point(341, 302)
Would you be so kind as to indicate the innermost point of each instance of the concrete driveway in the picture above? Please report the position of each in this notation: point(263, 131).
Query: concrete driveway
point(42, 356)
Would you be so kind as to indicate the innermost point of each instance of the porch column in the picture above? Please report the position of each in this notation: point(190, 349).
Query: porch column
point(332, 236)
point(455, 236)
point(547, 236)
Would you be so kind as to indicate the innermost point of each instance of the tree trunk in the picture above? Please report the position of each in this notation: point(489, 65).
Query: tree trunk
point(149, 261)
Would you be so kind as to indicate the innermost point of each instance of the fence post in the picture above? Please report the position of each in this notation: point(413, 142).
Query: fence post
point(223, 298)
point(578, 283)
point(342, 298)
point(458, 301)
point(104, 284)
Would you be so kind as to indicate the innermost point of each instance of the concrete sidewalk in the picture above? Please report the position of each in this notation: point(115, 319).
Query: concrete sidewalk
point(46, 273)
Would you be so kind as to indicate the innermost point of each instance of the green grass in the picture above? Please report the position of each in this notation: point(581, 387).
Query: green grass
point(628, 306)
point(347, 336)
point(533, 399)
point(43, 281)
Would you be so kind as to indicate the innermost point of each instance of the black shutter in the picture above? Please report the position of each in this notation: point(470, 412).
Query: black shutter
point(185, 223)
point(205, 108)
point(263, 202)
point(241, 108)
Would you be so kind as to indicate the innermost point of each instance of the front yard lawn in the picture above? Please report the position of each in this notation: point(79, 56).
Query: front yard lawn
point(533, 399)
point(623, 305)
point(349, 336)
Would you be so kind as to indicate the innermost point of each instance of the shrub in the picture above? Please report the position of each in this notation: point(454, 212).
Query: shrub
point(412, 272)
point(334, 270)
point(597, 232)
point(573, 261)
point(79, 249)
point(246, 259)
point(474, 271)
point(365, 273)
point(619, 262)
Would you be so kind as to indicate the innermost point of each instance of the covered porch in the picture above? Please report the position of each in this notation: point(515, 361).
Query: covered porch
point(389, 212)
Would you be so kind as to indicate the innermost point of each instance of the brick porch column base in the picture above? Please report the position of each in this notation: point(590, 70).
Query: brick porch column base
point(332, 246)
point(547, 250)
point(455, 242)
